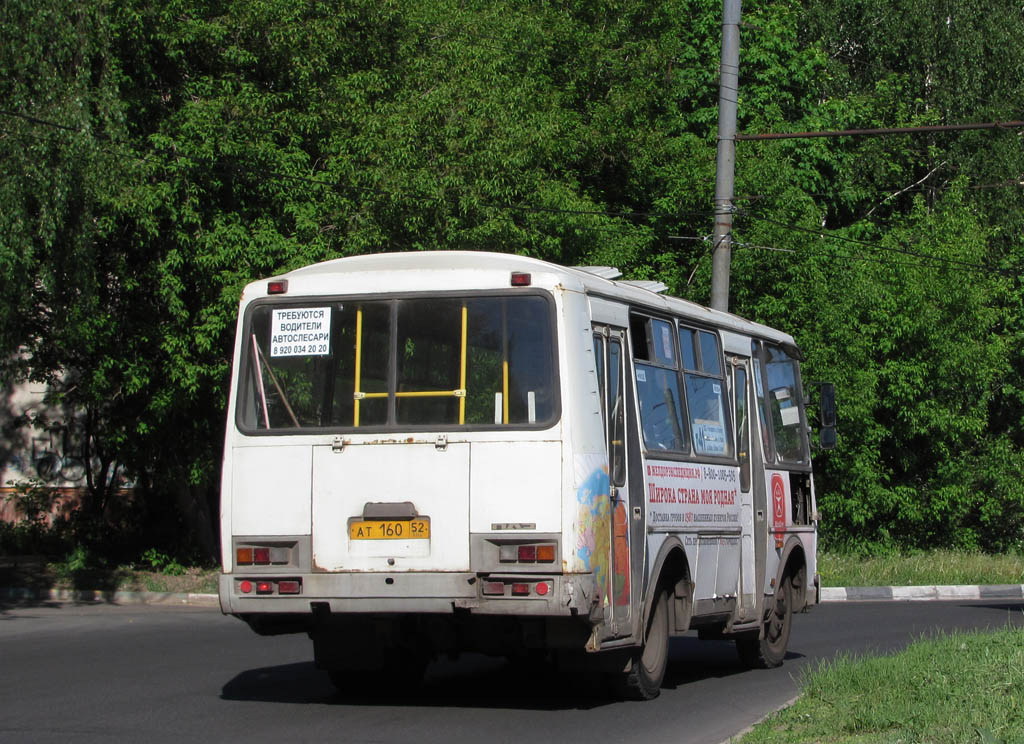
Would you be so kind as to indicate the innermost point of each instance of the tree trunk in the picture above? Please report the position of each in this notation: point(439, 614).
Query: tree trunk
point(194, 504)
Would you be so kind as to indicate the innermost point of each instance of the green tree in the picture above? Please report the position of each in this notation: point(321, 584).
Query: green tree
point(157, 156)
point(65, 319)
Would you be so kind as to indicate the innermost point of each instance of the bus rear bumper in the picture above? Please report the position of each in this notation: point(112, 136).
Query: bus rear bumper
point(250, 595)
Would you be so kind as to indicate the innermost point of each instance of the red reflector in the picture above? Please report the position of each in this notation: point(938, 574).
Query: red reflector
point(264, 587)
point(543, 588)
point(527, 553)
point(520, 589)
point(519, 279)
point(261, 556)
point(245, 587)
point(494, 587)
point(288, 587)
point(277, 287)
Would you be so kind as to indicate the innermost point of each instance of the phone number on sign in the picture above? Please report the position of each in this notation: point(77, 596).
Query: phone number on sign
point(300, 349)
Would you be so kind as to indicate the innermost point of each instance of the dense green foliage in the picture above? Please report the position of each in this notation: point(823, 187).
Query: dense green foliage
point(155, 157)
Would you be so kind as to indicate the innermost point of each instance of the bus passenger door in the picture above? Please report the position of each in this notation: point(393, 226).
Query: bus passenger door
point(609, 348)
point(751, 553)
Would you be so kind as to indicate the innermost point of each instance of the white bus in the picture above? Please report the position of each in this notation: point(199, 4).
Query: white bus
point(442, 452)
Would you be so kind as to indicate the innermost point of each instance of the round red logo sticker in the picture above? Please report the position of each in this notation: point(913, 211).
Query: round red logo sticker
point(778, 503)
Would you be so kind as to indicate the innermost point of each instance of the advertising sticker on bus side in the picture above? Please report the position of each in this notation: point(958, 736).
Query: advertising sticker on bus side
point(300, 331)
point(688, 495)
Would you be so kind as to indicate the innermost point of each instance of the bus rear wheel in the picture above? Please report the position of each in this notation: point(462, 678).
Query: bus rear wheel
point(647, 665)
point(769, 651)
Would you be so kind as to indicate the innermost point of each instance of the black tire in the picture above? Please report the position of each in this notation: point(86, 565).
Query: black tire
point(647, 664)
point(769, 651)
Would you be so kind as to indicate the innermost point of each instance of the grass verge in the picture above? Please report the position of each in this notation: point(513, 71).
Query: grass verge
point(951, 690)
point(33, 572)
point(937, 567)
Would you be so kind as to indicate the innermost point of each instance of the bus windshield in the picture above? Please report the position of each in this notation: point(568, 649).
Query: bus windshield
point(405, 363)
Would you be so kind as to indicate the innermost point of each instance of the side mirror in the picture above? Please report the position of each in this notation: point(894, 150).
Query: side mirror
point(828, 404)
point(827, 435)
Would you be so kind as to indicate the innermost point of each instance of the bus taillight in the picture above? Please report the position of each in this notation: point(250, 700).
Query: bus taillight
point(530, 553)
point(262, 555)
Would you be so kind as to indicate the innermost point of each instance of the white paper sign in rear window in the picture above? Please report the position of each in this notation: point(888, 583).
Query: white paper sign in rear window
point(300, 331)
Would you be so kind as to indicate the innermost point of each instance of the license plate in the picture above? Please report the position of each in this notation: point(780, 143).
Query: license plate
point(389, 529)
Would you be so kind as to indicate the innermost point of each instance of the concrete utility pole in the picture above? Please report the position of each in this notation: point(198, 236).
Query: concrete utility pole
point(728, 92)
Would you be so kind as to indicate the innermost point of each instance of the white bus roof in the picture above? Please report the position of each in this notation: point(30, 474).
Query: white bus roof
point(463, 270)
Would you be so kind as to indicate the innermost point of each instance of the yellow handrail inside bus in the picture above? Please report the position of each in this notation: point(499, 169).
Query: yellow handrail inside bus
point(504, 391)
point(462, 368)
point(357, 394)
point(460, 393)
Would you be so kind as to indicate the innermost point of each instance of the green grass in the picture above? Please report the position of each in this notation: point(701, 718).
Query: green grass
point(130, 579)
point(942, 567)
point(35, 572)
point(956, 689)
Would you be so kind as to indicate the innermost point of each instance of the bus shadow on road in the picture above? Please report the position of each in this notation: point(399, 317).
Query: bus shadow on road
point(470, 682)
point(481, 682)
point(693, 660)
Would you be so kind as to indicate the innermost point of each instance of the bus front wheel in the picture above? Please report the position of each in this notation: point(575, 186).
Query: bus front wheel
point(769, 651)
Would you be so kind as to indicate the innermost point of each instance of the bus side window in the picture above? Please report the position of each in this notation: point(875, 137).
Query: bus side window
point(613, 406)
point(800, 490)
point(617, 450)
point(762, 408)
point(705, 392)
point(657, 384)
point(743, 428)
point(652, 341)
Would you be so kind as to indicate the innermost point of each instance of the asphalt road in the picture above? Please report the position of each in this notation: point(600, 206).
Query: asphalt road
point(102, 674)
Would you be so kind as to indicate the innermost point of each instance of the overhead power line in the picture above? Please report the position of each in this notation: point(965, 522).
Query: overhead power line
point(880, 132)
point(36, 120)
point(876, 246)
